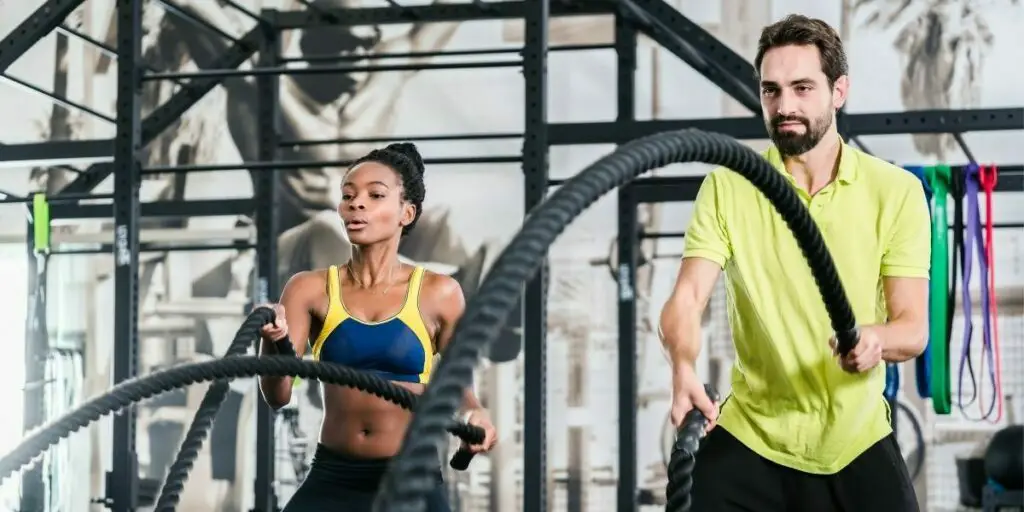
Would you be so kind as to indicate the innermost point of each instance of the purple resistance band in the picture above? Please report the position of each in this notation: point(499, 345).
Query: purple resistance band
point(974, 233)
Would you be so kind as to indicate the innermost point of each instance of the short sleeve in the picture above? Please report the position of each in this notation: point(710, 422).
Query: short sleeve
point(908, 252)
point(706, 236)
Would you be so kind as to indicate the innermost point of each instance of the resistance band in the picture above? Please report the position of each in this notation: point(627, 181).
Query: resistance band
point(922, 363)
point(939, 177)
point(957, 190)
point(40, 224)
point(975, 241)
point(987, 178)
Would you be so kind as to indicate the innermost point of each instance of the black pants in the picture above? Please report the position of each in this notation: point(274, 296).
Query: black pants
point(729, 477)
point(336, 482)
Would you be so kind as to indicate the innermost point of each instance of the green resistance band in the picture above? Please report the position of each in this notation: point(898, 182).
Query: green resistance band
point(40, 224)
point(939, 176)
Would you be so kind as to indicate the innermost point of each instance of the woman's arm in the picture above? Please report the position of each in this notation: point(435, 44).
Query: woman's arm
point(296, 301)
point(450, 304)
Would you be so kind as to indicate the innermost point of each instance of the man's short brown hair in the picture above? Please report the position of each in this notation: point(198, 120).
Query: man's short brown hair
point(796, 29)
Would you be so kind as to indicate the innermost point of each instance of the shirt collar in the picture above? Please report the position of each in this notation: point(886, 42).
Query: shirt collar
point(847, 163)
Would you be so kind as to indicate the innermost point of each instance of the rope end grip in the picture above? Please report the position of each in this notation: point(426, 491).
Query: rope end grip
point(265, 315)
point(692, 429)
point(846, 340)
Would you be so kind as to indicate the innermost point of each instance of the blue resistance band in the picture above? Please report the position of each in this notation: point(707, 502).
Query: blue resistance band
point(923, 363)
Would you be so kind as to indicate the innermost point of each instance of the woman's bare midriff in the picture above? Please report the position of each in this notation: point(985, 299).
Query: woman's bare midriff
point(362, 425)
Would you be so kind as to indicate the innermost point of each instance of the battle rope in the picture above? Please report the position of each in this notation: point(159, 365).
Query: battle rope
point(202, 422)
point(142, 388)
point(412, 473)
point(684, 459)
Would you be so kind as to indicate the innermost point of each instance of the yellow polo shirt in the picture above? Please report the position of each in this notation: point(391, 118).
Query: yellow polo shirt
point(791, 402)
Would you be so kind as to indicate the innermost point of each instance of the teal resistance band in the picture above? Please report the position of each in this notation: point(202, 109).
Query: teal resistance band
point(939, 176)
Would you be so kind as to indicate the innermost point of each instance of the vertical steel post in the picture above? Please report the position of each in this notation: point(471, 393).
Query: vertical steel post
point(628, 240)
point(535, 170)
point(122, 480)
point(267, 289)
point(37, 345)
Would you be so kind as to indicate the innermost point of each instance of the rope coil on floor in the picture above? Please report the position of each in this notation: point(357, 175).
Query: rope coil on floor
point(410, 478)
point(142, 388)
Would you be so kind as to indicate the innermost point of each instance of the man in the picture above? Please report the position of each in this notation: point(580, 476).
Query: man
point(804, 428)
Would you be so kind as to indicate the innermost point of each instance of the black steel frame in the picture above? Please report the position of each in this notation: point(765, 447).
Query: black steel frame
point(118, 156)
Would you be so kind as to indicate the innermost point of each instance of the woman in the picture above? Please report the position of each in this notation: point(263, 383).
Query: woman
point(375, 314)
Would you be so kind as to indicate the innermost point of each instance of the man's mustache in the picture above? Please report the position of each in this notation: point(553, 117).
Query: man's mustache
point(778, 120)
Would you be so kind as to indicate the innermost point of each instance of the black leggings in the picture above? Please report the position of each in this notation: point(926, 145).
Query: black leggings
point(337, 482)
point(729, 477)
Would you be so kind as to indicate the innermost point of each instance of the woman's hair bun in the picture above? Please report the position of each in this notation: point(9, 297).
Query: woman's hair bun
point(408, 150)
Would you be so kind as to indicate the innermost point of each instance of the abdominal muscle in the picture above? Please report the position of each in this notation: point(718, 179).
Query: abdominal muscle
point(362, 425)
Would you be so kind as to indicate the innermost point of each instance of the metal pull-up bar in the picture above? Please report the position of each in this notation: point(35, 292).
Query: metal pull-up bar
point(314, 164)
point(327, 70)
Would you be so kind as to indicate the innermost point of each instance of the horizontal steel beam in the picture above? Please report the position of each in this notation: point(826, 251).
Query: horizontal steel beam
point(704, 53)
point(437, 53)
point(402, 138)
point(319, 164)
point(160, 119)
point(40, 23)
point(668, 189)
point(751, 128)
point(328, 70)
point(56, 152)
point(434, 13)
point(170, 209)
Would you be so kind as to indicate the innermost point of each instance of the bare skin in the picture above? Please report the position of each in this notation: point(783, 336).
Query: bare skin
point(374, 287)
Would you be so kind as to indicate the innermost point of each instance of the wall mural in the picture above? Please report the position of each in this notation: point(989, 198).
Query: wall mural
point(936, 54)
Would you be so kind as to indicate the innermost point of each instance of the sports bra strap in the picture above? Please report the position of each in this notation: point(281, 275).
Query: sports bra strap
point(415, 282)
point(333, 283)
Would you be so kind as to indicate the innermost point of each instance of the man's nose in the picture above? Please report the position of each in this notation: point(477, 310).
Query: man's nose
point(787, 104)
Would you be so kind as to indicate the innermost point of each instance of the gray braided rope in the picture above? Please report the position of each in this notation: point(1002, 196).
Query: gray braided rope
point(202, 422)
point(142, 388)
point(407, 483)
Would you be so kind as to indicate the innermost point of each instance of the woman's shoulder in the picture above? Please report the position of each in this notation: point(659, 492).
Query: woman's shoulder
point(307, 282)
point(438, 286)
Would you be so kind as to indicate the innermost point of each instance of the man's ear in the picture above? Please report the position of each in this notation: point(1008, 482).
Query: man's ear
point(840, 91)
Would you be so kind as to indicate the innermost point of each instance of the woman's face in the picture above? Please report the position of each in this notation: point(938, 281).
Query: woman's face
point(371, 204)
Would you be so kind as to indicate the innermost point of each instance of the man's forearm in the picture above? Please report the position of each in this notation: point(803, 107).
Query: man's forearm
point(902, 339)
point(680, 333)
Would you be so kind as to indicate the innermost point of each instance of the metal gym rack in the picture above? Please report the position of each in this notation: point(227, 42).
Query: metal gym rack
point(118, 157)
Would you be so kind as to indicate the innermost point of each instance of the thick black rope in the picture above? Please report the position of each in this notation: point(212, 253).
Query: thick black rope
point(412, 474)
point(142, 388)
point(684, 459)
point(202, 422)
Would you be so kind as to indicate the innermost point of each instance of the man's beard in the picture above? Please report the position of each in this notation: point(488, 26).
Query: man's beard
point(792, 143)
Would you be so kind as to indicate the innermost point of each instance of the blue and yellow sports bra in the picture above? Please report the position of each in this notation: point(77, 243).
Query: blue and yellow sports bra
point(397, 349)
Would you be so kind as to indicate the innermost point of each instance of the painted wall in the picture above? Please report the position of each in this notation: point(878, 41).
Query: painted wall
point(471, 210)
